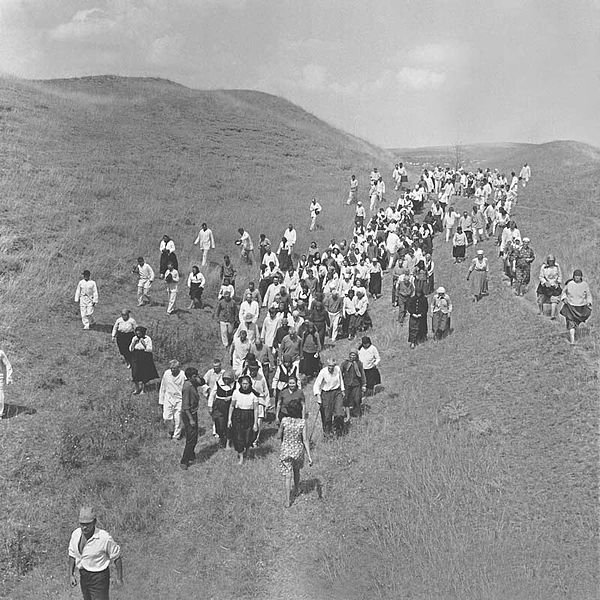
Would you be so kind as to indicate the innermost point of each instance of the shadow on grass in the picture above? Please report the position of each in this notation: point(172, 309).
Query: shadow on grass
point(102, 327)
point(311, 485)
point(261, 451)
point(12, 410)
point(206, 453)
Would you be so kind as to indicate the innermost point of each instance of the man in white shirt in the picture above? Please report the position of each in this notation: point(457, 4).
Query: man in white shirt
point(525, 174)
point(5, 378)
point(90, 550)
point(269, 329)
point(87, 296)
point(169, 397)
point(249, 307)
point(206, 241)
point(246, 246)
point(353, 194)
point(171, 279)
point(290, 235)
point(146, 277)
point(329, 392)
point(270, 257)
point(315, 211)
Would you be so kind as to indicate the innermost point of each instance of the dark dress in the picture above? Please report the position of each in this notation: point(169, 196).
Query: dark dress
point(167, 257)
point(242, 425)
point(142, 366)
point(417, 327)
point(123, 343)
point(375, 284)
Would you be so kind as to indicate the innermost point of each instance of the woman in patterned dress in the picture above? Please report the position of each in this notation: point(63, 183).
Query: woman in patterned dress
point(294, 443)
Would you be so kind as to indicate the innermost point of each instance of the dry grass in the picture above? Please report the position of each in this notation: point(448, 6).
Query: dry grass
point(474, 473)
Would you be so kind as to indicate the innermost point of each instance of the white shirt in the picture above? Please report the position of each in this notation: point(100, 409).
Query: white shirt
point(270, 257)
point(249, 308)
point(315, 209)
point(146, 273)
point(269, 329)
point(205, 239)
point(290, 236)
point(170, 246)
point(369, 357)
point(5, 369)
point(97, 553)
point(198, 278)
point(174, 273)
point(170, 387)
point(86, 293)
point(327, 381)
point(123, 326)
point(246, 241)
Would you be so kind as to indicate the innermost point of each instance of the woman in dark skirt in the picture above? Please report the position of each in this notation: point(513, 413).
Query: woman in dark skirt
point(243, 417)
point(310, 348)
point(421, 277)
point(167, 255)
point(417, 308)
point(142, 363)
point(375, 279)
point(196, 283)
point(459, 245)
point(123, 332)
point(577, 303)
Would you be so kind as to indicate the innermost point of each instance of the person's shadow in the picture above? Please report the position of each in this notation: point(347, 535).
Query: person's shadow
point(12, 410)
point(311, 485)
point(206, 453)
point(103, 327)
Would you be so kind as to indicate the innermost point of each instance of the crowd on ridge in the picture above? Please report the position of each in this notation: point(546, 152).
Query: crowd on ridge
point(310, 301)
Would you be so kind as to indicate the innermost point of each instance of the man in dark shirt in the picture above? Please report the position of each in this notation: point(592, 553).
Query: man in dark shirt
point(355, 382)
point(190, 398)
point(226, 314)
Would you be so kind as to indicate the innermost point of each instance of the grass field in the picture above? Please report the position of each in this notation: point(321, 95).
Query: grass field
point(493, 497)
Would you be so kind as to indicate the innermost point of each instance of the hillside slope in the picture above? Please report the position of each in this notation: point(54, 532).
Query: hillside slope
point(410, 504)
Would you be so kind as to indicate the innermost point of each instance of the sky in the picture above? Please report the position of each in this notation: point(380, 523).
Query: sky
point(399, 73)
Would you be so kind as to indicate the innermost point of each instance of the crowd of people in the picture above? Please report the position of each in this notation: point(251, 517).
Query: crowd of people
point(275, 333)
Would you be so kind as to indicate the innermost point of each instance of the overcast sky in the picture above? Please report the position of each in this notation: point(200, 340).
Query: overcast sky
point(397, 72)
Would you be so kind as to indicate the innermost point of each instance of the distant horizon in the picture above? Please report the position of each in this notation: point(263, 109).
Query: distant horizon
point(370, 141)
point(393, 72)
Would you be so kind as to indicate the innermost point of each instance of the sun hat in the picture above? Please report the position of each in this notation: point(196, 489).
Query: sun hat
point(479, 251)
point(87, 514)
point(526, 239)
point(441, 290)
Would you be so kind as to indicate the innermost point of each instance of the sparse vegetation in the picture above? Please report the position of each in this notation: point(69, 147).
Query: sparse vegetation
point(474, 472)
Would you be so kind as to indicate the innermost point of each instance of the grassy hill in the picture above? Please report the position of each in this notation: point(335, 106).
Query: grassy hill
point(493, 500)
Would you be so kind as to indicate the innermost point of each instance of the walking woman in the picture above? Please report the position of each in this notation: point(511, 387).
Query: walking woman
point(294, 444)
point(310, 348)
point(375, 279)
point(196, 283)
point(577, 303)
point(123, 332)
point(142, 363)
point(478, 275)
point(459, 245)
point(243, 417)
point(369, 356)
point(418, 309)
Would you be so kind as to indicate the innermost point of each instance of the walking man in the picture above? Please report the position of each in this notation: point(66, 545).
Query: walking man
point(87, 296)
point(171, 279)
point(170, 397)
point(246, 246)
point(146, 277)
point(5, 378)
point(225, 313)
point(206, 241)
point(329, 391)
point(90, 550)
point(190, 399)
point(353, 195)
point(315, 211)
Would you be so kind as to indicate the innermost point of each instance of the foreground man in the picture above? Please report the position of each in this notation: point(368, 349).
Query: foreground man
point(329, 390)
point(189, 414)
point(87, 296)
point(90, 550)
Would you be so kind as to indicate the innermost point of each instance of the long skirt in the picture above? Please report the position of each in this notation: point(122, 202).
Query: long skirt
point(196, 294)
point(310, 364)
point(375, 284)
point(353, 397)
point(123, 343)
point(458, 251)
point(575, 315)
point(165, 259)
point(440, 324)
point(373, 377)
point(478, 283)
point(242, 429)
point(430, 284)
point(142, 366)
point(417, 329)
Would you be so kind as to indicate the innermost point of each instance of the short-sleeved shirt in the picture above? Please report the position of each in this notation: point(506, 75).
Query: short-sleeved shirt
point(97, 553)
point(189, 397)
